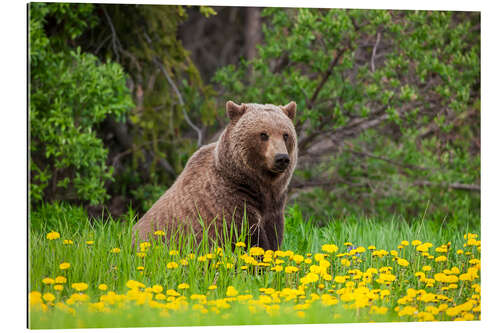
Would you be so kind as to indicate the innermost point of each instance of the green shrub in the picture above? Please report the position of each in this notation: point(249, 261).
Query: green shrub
point(71, 93)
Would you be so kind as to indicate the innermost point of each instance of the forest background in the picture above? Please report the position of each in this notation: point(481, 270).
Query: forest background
point(388, 103)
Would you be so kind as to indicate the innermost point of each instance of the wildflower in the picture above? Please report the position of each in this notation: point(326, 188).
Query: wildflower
point(80, 286)
point(132, 284)
point(173, 252)
point(440, 259)
point(48, 297)
point(67, 242)
point(426, 268)
point(53, 235)
point(277, 268)
point(240, 244)
point(172, 265)
point(291, 269)
point(212, 287)
point(403, 262)
point(348, 244)
point(460, 251)
point(297, 258)
point(405, 243)
point(183, 262)
point(416, 242)
point(345, 262)
point(183, 286)
point(60, 279)
point(102, 287)
point(340, 279)
point(141, 254)
point(159, 233)
point(90, 242)
point(157, 289)
point(140, 268)
point(115, 250)
point(256, 251)
point(372, 247)
point(330, 248)
point(58, 287)
point(48, 281)
point(64, 265)
point(231, 291)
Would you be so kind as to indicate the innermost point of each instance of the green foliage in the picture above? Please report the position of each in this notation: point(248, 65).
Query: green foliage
point(157, 129)
point(71, 93)
point(394, 95)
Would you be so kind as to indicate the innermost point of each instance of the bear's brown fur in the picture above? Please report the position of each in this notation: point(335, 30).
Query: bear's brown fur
point(245, 173)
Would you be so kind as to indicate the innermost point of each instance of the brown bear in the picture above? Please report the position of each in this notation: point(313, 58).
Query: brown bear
point(242, 177)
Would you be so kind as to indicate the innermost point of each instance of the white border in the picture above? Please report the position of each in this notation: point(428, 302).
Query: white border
point(13, 162)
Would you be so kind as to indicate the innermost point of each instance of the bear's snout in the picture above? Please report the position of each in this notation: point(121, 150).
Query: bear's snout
point(281, 161)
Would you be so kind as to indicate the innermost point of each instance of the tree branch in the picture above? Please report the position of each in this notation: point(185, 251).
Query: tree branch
point(374, 52)
point(454, 186)
point(329, 72)
point(157, 61)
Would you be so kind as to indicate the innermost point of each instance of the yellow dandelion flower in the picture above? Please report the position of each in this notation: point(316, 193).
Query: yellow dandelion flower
point(240, 244)
point(67, 242)
point(440, 259)
point(58, 287)
point(212, 287)
point(53, 235)
point(172, 265)
point(426, 268)
point(115, 250)
point(183, 286)
point(348, 244)
point(231, 291)
point(48, 281)
point(48, 297)
point(372, 247)
point(256, 251)
point(79, 286)
point(297, 258)
point(141, 254)
point(102, 287)
point(277, 268)
point(403, 262)
point(291, 269)
point(416, 242)
point(157, 289)
point(159, 233)
point(329, 248)
point(60, 279)
point(405, 243)
point(140, 268)
point(339, 279)
point(64, 265)
point(90, 242)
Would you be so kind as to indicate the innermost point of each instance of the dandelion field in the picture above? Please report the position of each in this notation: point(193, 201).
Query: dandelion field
point(85, 273)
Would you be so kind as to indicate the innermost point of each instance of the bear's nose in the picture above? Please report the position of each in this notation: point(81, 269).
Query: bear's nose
point(281, 161)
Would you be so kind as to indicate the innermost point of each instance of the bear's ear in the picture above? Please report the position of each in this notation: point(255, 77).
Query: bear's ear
point(290, 110)
point(235, 111)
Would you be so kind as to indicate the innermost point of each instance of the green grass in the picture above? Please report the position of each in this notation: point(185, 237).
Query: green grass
point(95, 264)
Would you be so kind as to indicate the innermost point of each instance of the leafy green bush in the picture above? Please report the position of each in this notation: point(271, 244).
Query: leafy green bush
point(71, 93)
point(388, 102)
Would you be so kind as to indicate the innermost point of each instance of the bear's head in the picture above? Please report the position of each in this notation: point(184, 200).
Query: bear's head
point(260, 140)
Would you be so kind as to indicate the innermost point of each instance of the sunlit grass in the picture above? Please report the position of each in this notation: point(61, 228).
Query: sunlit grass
point(356, 270)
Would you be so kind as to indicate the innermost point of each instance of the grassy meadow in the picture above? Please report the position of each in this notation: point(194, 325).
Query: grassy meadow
point(84, 273)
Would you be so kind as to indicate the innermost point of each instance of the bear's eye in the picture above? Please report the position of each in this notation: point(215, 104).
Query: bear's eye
point(264, 136)
point(285, 136)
